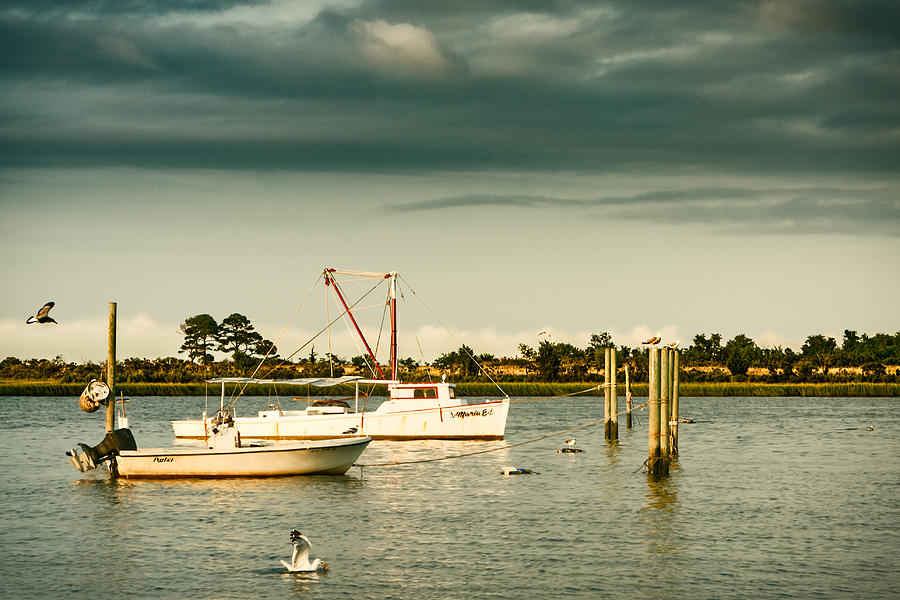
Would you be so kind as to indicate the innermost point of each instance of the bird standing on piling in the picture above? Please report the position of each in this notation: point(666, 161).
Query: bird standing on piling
point(653, 340)
point(42, 315)
point(674, 344)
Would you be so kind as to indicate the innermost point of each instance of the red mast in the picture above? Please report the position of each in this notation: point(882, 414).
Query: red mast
point(330, 280)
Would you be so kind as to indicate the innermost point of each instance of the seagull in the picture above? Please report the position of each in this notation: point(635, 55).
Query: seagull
point(547, 333)
point(653, 341)
point(300, 557)
point(870, 428)
point(42, 315)
point(674, 344)
point(351, 431)
point(570, 442)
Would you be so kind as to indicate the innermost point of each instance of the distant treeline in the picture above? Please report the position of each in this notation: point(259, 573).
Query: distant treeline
point(858, 358)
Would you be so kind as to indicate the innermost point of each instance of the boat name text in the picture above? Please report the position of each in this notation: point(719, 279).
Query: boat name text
point(462, 414)
point(163, 459)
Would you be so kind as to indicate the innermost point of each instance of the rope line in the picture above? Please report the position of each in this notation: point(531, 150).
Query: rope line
point(506, 447)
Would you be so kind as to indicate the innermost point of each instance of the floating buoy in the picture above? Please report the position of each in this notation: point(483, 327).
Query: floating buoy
point(93, 396)
point(516, 471)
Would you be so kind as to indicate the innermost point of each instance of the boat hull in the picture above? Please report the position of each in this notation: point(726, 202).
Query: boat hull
point(314, 457)
point(481, 421)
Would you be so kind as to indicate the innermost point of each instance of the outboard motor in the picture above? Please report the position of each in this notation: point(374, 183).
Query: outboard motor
point(84, 457)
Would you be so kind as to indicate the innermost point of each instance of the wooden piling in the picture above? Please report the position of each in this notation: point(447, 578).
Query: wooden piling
point(664, 391)
point(613, 396)
point(657, 464)
point(607, 419)
point(627, 399)
point(673, 435)
point(111, 370)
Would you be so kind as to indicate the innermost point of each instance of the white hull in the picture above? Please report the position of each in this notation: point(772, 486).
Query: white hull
point(333, 457)
point(393, 420)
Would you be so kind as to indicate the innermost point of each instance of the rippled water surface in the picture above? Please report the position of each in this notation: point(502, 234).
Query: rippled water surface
point(772, 498)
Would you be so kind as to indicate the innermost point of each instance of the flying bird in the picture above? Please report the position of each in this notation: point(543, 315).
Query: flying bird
point(674, 344)
point(547, 333)
point(42, 315)
point(300, 562)
point(653, 341)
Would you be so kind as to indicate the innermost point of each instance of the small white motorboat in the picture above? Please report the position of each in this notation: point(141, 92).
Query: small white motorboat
point(224, 456)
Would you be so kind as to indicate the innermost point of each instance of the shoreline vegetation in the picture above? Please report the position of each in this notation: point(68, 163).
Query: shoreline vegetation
point(470, 389)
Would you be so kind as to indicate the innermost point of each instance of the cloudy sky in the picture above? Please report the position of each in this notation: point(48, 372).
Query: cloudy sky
point(628, 167)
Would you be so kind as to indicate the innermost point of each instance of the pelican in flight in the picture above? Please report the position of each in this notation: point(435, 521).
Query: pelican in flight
point(43, 315)
point(674, 344)
point(653, 341)
point(300, 562)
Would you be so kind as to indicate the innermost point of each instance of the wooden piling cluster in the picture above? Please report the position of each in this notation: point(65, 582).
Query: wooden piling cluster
point(663, 429)
point(611, 406)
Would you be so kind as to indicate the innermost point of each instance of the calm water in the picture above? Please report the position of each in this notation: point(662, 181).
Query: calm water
point(773, 498)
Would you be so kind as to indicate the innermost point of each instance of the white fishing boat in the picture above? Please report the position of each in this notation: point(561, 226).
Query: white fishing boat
point(411, 411)
point(225, 455)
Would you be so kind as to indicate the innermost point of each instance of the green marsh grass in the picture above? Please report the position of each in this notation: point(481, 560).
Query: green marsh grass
point(518, 388)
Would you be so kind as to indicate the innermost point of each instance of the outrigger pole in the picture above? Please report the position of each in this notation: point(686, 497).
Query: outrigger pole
point(393, 276)
point(330, 280)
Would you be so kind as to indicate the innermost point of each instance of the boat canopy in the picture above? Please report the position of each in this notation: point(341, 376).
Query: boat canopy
point(313, 381)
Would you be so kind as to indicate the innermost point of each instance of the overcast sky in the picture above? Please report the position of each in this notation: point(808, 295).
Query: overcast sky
point(574, 166)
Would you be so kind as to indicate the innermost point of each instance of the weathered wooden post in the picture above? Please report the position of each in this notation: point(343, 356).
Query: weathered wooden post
point(606, 416)
point(664, 392)
point(673, 435)
point(111, 370)
point(613, 396)
point(627, 399)
point(657, 464)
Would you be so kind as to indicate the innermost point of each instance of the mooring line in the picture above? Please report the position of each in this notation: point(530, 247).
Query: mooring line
point(544, 437)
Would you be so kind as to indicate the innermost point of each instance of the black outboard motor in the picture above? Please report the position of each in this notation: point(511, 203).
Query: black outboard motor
point(84, 457)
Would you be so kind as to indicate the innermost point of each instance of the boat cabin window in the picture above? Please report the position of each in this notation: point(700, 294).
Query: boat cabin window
point(452, 393)
point(429, 392)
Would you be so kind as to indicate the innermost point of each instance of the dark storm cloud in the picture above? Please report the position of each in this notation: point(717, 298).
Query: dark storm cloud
point(406, 85)
point(872, 211)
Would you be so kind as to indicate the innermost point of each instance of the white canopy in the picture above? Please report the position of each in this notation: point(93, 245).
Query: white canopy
point(313, 381)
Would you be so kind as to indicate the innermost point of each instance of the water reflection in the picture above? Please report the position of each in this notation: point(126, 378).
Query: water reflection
point(663, 526)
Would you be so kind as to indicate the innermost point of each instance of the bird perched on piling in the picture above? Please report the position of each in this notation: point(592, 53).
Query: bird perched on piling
point(674, 344)
point(42, 315)
point(652, 341)
point(300, 562)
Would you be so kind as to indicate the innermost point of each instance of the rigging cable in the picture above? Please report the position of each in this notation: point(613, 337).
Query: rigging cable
point(447, 329)
point(543, 437)
point(235, 397)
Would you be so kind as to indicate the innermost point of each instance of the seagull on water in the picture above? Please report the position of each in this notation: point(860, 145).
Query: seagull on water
point(570, 442)
point(300, 562)
point(870, 428)
point(653, 341)
point(42, 315)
